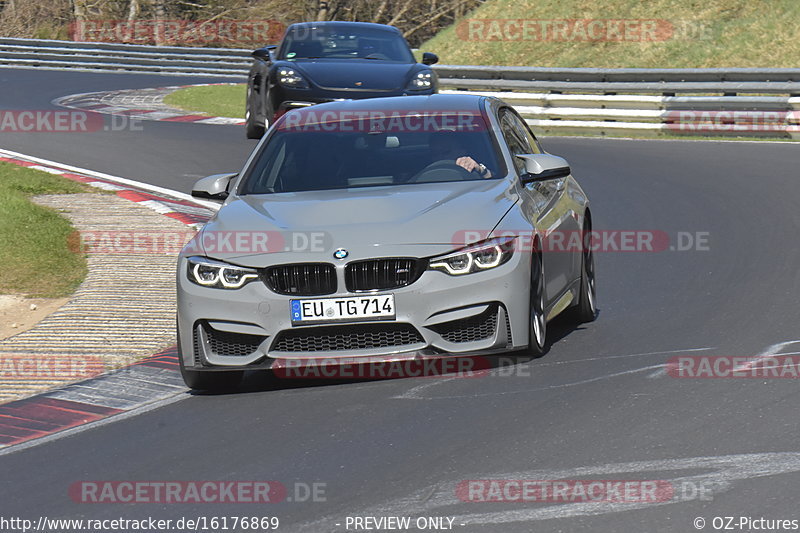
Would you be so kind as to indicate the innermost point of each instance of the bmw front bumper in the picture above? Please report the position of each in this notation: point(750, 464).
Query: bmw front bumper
point(249, 327)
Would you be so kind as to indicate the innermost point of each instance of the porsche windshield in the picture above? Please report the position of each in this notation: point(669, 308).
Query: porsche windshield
point(294, 161)
point(331, 43)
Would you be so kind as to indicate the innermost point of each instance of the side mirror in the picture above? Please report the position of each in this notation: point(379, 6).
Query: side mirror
point(429, 58)
point(264, 53)
point(213, 187)
point(542, 167)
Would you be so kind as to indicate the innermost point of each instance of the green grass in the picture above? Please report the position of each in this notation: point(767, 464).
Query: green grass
point(37, 256)
point(212, 100)
point(701, 33)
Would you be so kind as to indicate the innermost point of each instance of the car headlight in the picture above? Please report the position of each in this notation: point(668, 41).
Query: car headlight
point(289, 77)
point(475, 258)
point(219, 275)
point(421, 80)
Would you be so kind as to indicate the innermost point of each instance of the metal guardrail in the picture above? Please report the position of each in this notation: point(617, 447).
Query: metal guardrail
point(209, 62)
point(738, 101)
point(750, 116)
point(631, 75)
point(126, 48)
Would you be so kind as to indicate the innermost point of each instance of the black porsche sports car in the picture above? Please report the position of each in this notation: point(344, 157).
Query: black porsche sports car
point(325, 61)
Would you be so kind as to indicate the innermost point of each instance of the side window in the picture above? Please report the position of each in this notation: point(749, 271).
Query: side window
point(265, 172)
point(515, 137)
point(272, 175)
point(526, 131)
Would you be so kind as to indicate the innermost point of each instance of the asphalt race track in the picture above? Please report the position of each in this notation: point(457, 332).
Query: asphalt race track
point(597, 406)
point(121, 153)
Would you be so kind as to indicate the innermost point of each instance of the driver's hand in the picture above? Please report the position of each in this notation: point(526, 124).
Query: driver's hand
point(468, 163)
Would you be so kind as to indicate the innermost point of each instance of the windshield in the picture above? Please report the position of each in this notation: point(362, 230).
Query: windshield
point(336, 43)
point(294, 161)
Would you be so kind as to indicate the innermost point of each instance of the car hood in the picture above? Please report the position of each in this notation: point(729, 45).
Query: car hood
point(346, 74)
point(415, 220)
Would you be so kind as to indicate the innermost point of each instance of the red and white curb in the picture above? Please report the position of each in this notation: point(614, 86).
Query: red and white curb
point(148, 383)
point(142, 104)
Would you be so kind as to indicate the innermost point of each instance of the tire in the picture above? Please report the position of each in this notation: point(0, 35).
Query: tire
point(254, 130)
point(585, 310)
point(537, 321)
point(209, 380)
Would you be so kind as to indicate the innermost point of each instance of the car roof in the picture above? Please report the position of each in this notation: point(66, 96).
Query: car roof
point(341, 25)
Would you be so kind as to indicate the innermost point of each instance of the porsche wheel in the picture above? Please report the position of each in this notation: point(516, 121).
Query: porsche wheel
point(254, 130)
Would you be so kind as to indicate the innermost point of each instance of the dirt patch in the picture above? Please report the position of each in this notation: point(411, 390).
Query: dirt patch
point(18, 314)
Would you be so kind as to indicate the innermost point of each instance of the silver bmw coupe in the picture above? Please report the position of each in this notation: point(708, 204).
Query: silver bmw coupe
point(404, 227)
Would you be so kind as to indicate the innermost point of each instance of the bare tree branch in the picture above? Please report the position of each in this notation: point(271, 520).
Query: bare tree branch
point(133, 10)
point(429, 20)
point(397, 16)
point(79, 10)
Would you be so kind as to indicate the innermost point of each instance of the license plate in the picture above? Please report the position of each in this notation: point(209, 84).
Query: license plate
point(340, 309)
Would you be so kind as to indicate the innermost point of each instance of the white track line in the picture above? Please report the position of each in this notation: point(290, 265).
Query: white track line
point(414, 393)
point(770, 351)
point(712, 475)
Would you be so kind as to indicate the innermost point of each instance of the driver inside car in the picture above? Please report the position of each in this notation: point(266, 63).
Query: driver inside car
point(446, 147)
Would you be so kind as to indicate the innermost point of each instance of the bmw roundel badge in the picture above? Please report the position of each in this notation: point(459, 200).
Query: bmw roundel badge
point(341, 253)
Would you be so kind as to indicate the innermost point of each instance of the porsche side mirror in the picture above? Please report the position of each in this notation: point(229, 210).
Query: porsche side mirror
point(213, 187)
point(429, 58)
point(264, 53)
point(542, 167)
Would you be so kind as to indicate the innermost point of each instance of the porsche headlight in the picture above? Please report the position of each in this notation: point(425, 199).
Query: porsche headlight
point(289, 77)
point(475, 258)
point(219, 275)
point(421, 80)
